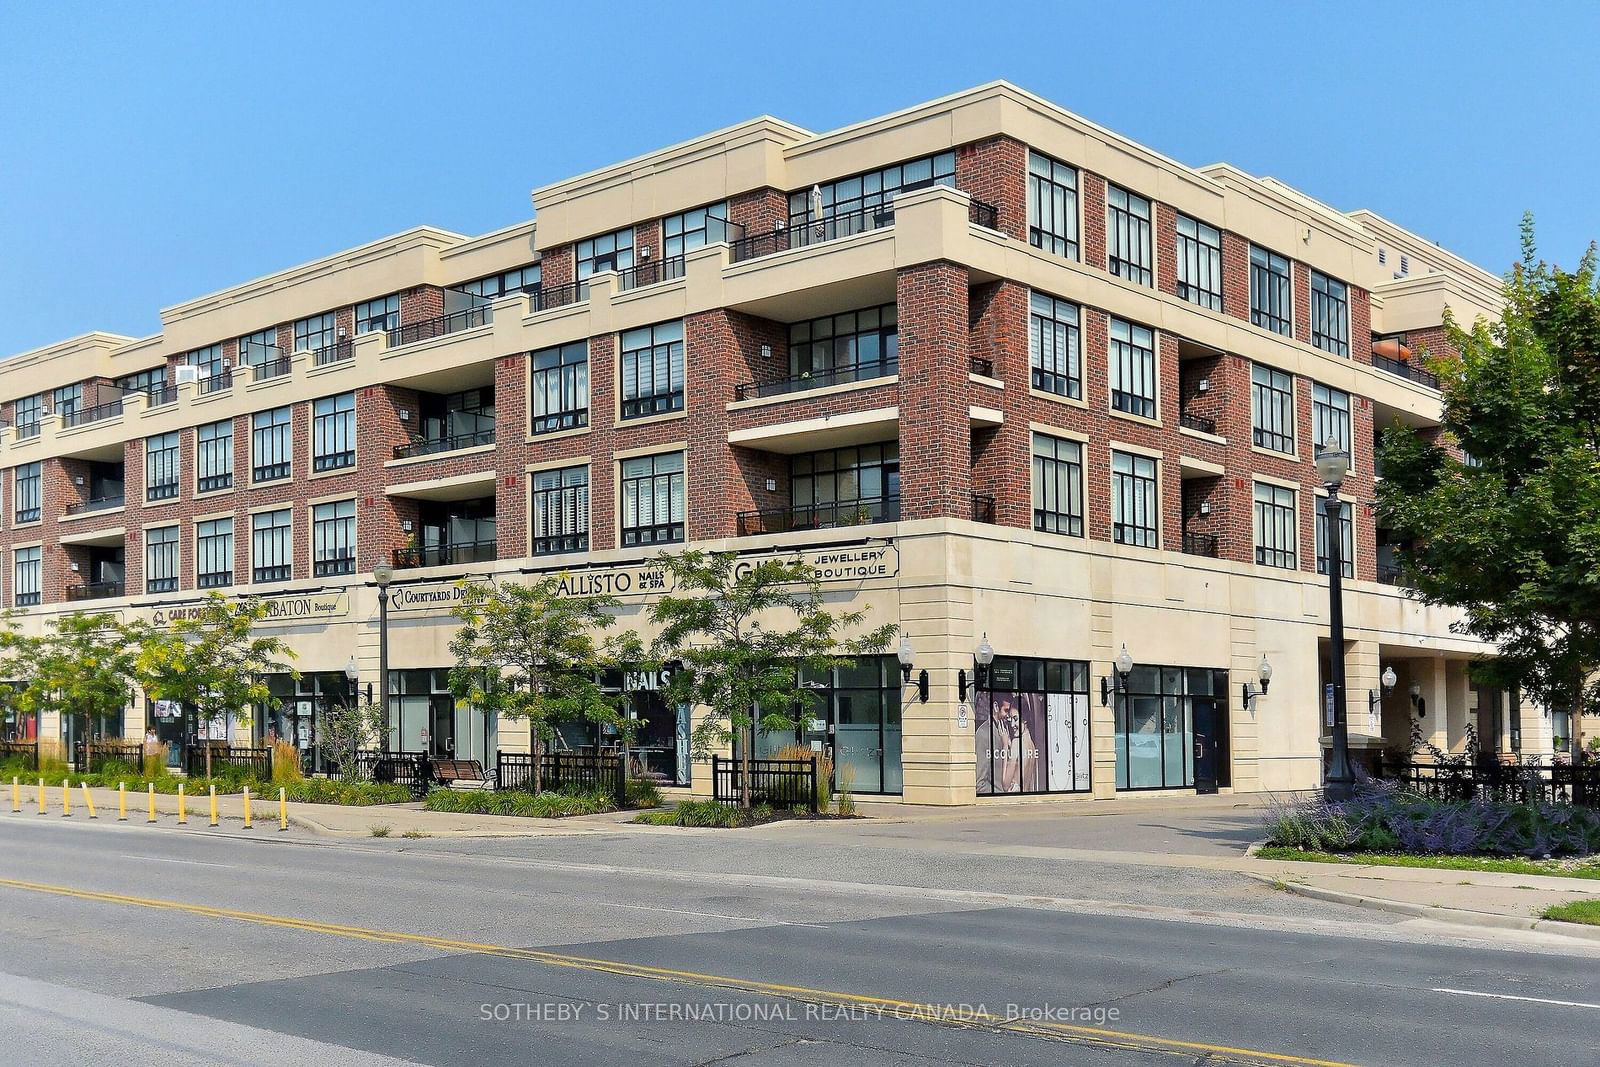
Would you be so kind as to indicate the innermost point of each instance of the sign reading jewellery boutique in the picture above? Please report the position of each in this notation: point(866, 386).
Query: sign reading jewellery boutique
point(281, 610)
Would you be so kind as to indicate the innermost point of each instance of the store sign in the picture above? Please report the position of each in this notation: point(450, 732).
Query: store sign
point(281, 610)
point(428, 597)
point(832, 565)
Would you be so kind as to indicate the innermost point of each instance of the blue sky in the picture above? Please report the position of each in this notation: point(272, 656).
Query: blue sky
point(150, 153)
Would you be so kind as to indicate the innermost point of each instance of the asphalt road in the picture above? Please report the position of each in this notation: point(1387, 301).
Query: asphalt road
point(146, 945)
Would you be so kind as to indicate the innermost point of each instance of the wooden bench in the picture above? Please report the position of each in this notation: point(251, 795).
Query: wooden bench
point(466, 772)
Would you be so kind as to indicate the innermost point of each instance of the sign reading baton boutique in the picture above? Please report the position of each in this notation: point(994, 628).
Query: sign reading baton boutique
point(281, 610)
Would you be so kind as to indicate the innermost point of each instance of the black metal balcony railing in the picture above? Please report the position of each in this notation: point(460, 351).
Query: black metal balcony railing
point(95, 503)
point(1200, 544)
point(1390, 572)
point(811, 232)
point(161, 394)
point(1201, 423)
point(982, 213)
point(273, 368)
point(427, 446)
point(216, 383)
point(984, 368)
point(94, 591)
point(98, 413)
point(982, 508)
point(819, 516)
point(27, 429)
point(650, 272)
point(817, 379)
point(1401, 368)
point(334, 353)
point(456, 321)
point(445, 555)
point(555, 296)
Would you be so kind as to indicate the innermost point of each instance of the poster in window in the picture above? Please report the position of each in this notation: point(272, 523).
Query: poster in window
point(1007, 727)
point(1062, 743)
point(1033, 739)
point(1080, 741)
point(983, 743)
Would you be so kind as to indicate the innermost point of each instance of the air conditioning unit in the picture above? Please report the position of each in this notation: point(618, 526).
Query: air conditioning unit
point(185, 373)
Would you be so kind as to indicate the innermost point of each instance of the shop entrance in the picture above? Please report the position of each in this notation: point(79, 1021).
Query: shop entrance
point(424, 717)
point(851, 714)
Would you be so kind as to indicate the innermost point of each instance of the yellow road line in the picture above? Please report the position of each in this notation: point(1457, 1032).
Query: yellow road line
point(895, 1007)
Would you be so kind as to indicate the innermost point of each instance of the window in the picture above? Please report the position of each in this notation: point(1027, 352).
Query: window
point(1272, 408)
point(1199, 254)
point(161, 466)
point(1330, 314)
point(1270, 306)
point(1274, 526)
point(561, 511)
point(333, 432)
point(67, 399)
point(271, 444)
point(1032, 727)
point(29, 478)
point(854, 346)
point(1053, 345)
point(1133, 500)
point(1057, 485)
point(1347, 540)
point(652, 499)
point(161, 560)
point(872, 194)
point(29, 410)
point(694, 229)
point(259, 347)
point(561, 387)
point(1052, 206)
point(1128, 235)
point(214, 456)
point(145, 381)
point(209, 362)
point(1133, 369)
point(380, 314)
point(846, 486)
point(1330, 417)
point(333, 538)
point(315, 333)
point(25, 591)
point(611, 251)
point(272, 545)
point(652, 370)
point(213, 542)
point(486, 290)
point(1154, 721)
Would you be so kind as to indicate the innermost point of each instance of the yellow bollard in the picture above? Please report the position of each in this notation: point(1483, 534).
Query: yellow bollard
point(66, 799)
point(122, 801)
point(152, 802)
point(41, 796)
point(183, 814)
point(283, 810)
point(88, 801)
point(16, 793)
point(213, 805)
point(247, 807)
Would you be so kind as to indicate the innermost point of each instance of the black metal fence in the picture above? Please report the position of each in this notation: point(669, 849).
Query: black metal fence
point(783, 783)
point(28, 751)
point(982, 508)
point(1200, 544)
point(98, 413)
point(427, 446)
point(90, 757)
point(1515, 783)
point(555, 296)
point(650, 272)
point(251, 762)
point(819, 516)
point(563, 770)
point(818, 379)
point(410, 769)
point(465, 319)
point(1202, 423)
point(982, 213)
point(1407, 369)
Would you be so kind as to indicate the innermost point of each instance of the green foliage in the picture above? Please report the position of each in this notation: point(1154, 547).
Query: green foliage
point(709, 813)
point(80, 667)
point(1498, 865)
point(643, 793)
point(348, 727)
point(1575, 911)
point(326, 791)
point(1513, 538)
point(517, 802)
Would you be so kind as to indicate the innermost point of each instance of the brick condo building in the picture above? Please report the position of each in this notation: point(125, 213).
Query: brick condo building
point(1002, 373)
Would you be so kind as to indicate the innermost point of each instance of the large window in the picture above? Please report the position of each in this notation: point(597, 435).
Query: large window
point(1054, 345)
point(25, 590)
point(214, 456)
point(1133, 369)
point(29, 477)
point(272, 545)
point(161, 560)
point(271, 444)
point(1032, 727)
point(1330, 314)
point(161, 466)
point(209, 364)
point(1330, 417)
point(846, 486)
point(853, 711)
point(1275, 526)
point(652, 499)
point(213, 543)
point(609, 251)
point(29, 410)
point(652, 370)
point(1271, 408)
point(333, 538)
point(67, 399)
point(315, 333)
point(487, 290)
point(871, 194)
point(560, 511)
point(1199, 253)
point(1270, 302)
point(561, 387)
point(854, 346)
point(1347, 540)
point(1052, 206)
point(1158, 715)
point(1128, 235)
point(380, 314)
point(153, 380)
point(1057, 485)
point(260, 347)
point(1135, 506)
point(333, 432)
point(694, 229)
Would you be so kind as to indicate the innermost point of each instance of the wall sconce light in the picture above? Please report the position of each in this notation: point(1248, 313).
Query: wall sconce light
point(1250, 690)
point(766, 351)
point(405, 525)
point(1205, 507)
point(772, 485)
point(644, 253)
point(1418, 701)
point(1387, 680)
point(1202, 385)
point(1117, 682)
point(77, 479)
point(906, 655)
point(74, 566)
point(982, 656)
point(405, 414)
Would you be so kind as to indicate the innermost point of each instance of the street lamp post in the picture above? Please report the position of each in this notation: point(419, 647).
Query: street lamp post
point(1333, 463)
point(383, 574)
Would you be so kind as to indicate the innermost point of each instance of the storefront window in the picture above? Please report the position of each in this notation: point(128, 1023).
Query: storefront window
point(661, 742)
point(297, 712)
point(852, 714)
point(1159, 713)
point(1032, 723)
point(424, 717)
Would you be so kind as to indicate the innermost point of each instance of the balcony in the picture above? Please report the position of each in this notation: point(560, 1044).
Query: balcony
point(545, 298)
point(94, 591)
point(982, 508)
point(337, 352)
point(268, 369)
point(465, 319)
point(841, 513)
point(95, 503)
point(1200, 544)
point(1394, 355)
point(804, 234)
point(1199, 423)
point(983, 368)
point(161, 394)
point(650, 272)
point(215, 383)
point(98, 413)
point(446, 555)
point(819, 379)
point(428, 446)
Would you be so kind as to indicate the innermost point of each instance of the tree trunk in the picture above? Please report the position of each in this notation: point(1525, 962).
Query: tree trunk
point(744, 761)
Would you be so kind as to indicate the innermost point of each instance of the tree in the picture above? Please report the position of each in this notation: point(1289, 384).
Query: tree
point(745, 633)
point(527, 653)
point(1510, 531)
point(348, 726)
point(211, 659)
point(82, 667)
